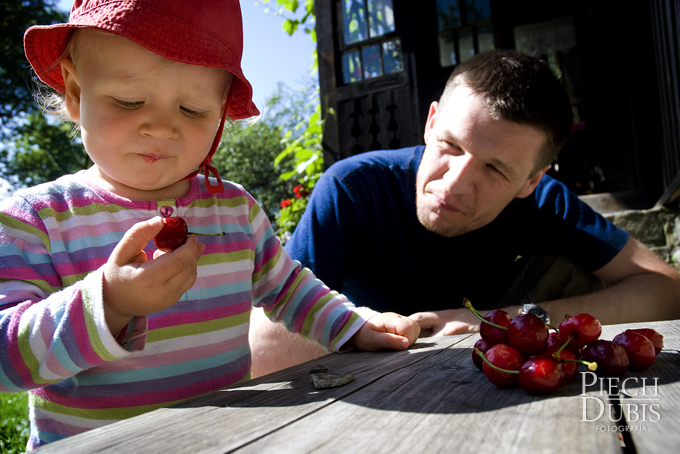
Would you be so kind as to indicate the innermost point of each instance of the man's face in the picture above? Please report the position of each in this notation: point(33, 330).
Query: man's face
point(473, 165)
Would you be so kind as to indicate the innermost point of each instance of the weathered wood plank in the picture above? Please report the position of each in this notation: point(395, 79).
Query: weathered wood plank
point(408, 411)
point(428, 398)
point(650, 399)
point(225, 420)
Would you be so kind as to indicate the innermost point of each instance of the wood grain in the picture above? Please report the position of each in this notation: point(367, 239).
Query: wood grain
point(429, 398)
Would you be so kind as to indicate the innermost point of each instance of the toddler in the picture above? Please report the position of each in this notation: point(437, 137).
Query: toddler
point(95, 321)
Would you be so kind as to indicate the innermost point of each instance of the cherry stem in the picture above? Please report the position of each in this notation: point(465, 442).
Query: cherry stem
point(592, 366)
point(468, 304)
point(556, 355)
point(493, 366)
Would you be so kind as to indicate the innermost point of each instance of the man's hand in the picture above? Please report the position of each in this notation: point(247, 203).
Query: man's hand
point(447, 322)
point(386, 331)
point(136, 286)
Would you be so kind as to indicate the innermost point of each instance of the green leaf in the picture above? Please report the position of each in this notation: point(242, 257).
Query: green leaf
point(290, 25)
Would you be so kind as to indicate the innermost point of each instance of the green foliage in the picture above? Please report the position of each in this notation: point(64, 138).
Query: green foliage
point(15, 72)
point(42, 152)
point(296, 17)
point(246, 156)
point(305, 154)
point(247, 153)
point(14, 425)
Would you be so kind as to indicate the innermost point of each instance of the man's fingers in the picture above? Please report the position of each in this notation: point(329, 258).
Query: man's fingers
point(426, 320)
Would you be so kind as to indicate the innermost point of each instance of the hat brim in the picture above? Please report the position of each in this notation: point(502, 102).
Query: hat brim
point(45, 45)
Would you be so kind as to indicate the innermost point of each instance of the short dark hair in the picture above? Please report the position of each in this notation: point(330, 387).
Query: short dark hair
point(520, 88)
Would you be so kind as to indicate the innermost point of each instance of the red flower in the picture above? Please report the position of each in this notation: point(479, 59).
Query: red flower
point(286, 202)
point(300, 191)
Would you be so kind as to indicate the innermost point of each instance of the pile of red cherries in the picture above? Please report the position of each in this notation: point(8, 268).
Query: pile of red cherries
point(522, 352)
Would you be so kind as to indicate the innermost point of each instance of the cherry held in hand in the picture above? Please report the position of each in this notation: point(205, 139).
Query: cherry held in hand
point(174, 234)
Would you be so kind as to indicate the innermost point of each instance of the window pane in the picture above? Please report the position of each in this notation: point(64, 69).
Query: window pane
point(466, 45)
point(354, 21)
point(381, 17)
point(351, 67)
point(485, 39)
point(393, 59)
point(477, 11)
point(447, 50)
point(448, 14)
point(370, 55)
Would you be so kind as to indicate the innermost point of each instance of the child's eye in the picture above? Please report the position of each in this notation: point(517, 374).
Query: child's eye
point(192, 113)
point(129, 105)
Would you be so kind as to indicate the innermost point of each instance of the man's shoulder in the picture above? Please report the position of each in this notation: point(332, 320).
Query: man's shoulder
point(400, 160)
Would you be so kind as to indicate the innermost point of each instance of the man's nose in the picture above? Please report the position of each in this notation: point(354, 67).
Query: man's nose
point(459, 177)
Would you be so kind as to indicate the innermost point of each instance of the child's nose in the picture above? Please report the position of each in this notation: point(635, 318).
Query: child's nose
point(159, 126)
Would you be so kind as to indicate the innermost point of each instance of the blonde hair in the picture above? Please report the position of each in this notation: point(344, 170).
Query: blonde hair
point(51, 101)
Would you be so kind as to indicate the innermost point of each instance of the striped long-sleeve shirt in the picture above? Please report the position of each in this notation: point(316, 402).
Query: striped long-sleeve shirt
point(54, 239)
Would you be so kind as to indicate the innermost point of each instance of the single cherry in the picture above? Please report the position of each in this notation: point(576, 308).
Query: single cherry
point(174, 234)
point(528, 334)
point(652, 335)
point(581, 328)
point(483, 346)
point(569, 362)
point(490, 332)
point(501, 356)
point(611, 358)
point(640, 350)
point(541, 374)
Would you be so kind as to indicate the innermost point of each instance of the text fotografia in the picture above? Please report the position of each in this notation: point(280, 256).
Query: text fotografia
point(626, 403)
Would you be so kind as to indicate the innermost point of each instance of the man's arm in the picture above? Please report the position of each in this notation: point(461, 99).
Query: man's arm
point(640, 287)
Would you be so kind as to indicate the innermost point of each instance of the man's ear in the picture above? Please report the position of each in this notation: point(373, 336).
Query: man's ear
point(431, 117)
point(71, 89)
point(533, 182)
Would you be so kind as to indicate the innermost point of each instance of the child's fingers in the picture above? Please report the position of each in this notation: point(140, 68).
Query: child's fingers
point(130, 248)
point(386, 341)
point(402, 326)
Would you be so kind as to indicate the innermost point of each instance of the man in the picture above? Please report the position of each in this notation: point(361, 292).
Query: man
point(473, 215)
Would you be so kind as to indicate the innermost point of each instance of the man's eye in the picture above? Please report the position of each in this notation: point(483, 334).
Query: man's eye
point(494, 169)
point(130, 105)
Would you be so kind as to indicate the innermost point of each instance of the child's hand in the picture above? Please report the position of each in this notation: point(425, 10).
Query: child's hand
point(135, 286)
point(386, 331)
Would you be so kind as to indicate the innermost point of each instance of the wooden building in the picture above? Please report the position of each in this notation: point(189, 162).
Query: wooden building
point(382, 62)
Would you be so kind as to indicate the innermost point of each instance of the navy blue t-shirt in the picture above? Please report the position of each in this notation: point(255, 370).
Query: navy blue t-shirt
point(360, 235)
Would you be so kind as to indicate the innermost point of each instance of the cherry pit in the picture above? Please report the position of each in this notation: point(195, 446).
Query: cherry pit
point(521, 352)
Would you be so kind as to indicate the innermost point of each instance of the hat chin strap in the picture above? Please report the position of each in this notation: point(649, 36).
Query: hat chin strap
point(207, 167)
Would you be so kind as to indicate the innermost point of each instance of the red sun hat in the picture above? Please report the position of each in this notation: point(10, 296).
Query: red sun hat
point(204, 33)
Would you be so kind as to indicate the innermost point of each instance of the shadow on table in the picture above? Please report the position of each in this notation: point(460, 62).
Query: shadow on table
point(440, 381)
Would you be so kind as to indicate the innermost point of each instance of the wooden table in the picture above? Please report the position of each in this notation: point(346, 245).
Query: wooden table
point(427, 399)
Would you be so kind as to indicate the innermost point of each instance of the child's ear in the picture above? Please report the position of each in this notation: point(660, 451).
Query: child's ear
point(71, 89)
